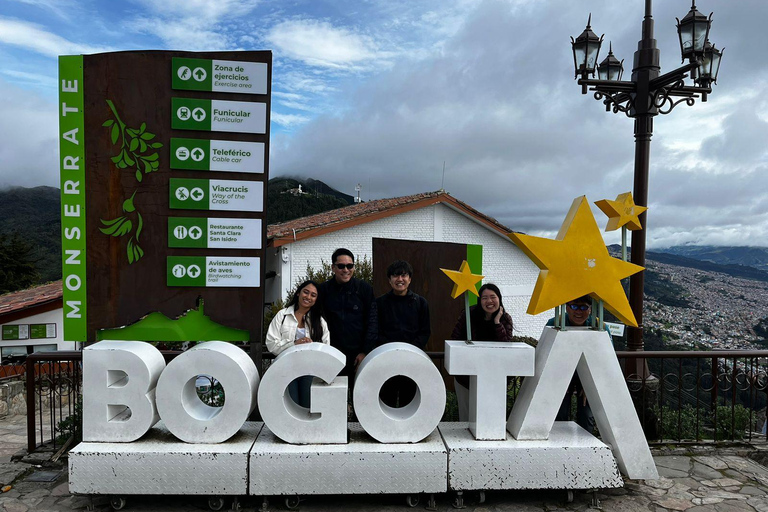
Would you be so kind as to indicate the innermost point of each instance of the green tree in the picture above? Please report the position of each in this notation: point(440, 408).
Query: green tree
point(17, 266)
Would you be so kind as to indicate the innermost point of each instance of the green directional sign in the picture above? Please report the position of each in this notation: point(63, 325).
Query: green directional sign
point(186, 270)
point(188, 232)
point(39, 331)
point(190, 114)
point(191, 74)
point(189, 194)
point(213, 271)
point(217, 155)
point(190, 154)
point(231, 195)
point(216, 233)
point(218, 115)
point(219, 76)
point(16, 332)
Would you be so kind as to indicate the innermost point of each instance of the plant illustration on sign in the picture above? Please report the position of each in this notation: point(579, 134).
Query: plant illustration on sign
point(134, 142)
point(136, 153)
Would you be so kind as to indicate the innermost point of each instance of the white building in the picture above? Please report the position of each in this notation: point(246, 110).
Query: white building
point(434, 216)
point(31, 321)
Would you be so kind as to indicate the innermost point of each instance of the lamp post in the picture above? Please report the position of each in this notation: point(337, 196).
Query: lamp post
point(647, 94)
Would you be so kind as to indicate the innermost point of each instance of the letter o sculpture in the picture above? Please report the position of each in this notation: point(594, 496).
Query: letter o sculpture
point(415, 421)
point(185, 415)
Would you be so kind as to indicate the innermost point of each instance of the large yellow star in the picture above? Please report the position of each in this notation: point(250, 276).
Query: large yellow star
point(463, 280)
point(622, 212)
point(577, 263)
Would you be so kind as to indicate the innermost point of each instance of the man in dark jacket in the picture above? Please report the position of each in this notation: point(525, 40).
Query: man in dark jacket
point(350, 310)
point(404, 317)
point(578, 315)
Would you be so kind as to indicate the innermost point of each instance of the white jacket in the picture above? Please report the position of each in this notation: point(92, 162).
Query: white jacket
point(282, 331)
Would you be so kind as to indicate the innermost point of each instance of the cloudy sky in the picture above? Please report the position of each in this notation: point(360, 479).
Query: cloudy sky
point(382, 92)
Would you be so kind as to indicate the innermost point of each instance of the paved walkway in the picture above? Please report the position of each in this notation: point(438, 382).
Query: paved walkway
point(707, 480)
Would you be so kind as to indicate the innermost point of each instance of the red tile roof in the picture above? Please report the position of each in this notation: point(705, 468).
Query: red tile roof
point(23, 299)
point(340, 218)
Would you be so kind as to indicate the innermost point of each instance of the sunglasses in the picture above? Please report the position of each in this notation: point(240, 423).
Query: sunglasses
point(579, 307)
point(342, 266)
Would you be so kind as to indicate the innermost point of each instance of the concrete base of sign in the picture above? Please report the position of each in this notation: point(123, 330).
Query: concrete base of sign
point(570, 459)
point(364, 466)
point(158, 463)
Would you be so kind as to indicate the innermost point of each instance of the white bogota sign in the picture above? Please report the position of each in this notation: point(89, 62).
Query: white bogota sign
point(128, 389)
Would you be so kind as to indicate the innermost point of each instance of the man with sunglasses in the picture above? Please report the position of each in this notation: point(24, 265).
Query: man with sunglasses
point(350, 310)
point(578, 315)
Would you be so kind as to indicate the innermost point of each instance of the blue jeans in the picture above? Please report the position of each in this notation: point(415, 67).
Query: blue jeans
point(299, 390)
point(584, 417)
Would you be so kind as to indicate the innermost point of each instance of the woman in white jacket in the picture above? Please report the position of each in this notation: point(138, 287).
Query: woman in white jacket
point(300, 322)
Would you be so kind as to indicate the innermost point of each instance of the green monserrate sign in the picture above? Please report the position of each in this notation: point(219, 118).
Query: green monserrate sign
point(72, 161)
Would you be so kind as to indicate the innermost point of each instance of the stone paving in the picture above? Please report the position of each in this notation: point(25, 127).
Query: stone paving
point(693, 480)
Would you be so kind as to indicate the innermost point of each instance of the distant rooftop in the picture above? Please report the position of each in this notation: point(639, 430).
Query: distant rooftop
point(23, 299)
point(348, 216)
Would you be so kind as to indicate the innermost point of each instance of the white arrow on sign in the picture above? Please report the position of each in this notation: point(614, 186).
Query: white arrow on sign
point(198, 154)
point(195, 232)
point(193, 271)
point(199, 114)
point(197, 194)
point(199, 74)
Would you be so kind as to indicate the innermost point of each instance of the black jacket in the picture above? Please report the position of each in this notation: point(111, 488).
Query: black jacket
point(404, 319)
point(350, 310)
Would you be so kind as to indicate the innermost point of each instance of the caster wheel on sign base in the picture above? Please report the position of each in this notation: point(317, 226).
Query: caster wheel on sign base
point(569, 499)
point(215, 503)
point(117, 502)
point(292, 502)
point(481, 497)
point(458, 501)
point(412, 500)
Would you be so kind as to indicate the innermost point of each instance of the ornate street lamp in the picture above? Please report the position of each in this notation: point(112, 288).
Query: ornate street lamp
point(586, 47)
point(647, 94)
point(693, 31)
point(709, 65)
point(611, 68)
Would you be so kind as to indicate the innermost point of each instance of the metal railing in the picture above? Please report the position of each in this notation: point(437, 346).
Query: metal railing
point(10, 371)
point(53, 387)
point(695, 396)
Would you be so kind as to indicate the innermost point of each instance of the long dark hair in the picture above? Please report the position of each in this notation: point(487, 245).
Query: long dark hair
point(315, 312)
point(477, 314)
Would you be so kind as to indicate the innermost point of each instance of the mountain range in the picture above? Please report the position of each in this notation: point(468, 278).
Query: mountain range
point(34, 213)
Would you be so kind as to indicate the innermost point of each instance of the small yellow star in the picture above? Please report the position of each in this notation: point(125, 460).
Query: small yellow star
point(577, 263)
point(622, 212)
point(463, 280)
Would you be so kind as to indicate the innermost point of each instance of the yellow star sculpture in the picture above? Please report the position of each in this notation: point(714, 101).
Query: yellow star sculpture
point(577, 263)
point(622, 212)
point(463, 280)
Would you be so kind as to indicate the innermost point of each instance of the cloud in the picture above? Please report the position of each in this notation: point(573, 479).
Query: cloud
point(289, 120)
point(210, 10)
point(36, 79)
point(499, 105)
point(318, 43)
point(33, 37)
point(194, 25)
point(58, 7)
point(28, 152)
point(192, 34)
